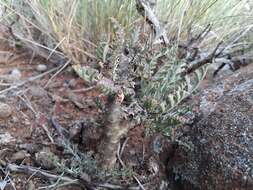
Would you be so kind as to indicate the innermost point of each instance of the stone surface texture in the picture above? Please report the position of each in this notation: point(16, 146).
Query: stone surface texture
point(217, 151)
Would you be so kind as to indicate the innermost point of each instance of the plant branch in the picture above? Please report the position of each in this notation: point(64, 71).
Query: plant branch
point(146, 11)
point(199, 63)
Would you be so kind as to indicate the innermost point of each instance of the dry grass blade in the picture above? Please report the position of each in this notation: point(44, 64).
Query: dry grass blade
point(30, 79)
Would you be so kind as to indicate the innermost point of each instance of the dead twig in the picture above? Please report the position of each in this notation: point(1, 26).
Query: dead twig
point(60, 130)
point(117, 187)
point(199, 63)
point(84, 89)
point(60, 70)
point(7, 180)
point(56, 184)
point(30, 79)
point(45, 128)
point(63, 133)
point(139, 183)
point(123, 146)
point(48, 175)
point(28, 103)
point(119, 157)
point(38, 172)
point(200, 37)
point(147, 12)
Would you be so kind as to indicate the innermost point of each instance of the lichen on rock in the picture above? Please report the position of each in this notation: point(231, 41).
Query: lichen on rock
point(222, 139)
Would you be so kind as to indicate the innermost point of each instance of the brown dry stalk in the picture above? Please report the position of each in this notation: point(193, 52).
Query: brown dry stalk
point(70, 180)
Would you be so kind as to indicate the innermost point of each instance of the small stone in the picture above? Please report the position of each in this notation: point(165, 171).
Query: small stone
point(41, 68)
point(31, 185)
point(46, 159)
point(5, 110)
point(75, 131)
point(85, 177)
point(72, 83)
point(16, 74)
point(30, 147)
point(38, 92)
point(27, 122)
point(6, 138)
point(19, 156)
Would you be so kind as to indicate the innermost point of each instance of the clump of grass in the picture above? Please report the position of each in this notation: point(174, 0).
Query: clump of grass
point(76, 28)
point(228, 18)
point(72, 27)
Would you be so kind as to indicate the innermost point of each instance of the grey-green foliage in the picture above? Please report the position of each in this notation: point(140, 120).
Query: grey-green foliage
point(159, 76)
point(165, 87)
point(152, 77)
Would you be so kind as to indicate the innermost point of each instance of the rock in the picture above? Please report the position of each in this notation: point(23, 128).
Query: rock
point(85, 177)
point(217, 153)
point(5, 110)
point(46, 159)
point(6, 138)
point(16, 74)
point(72, 83)
point(19, 156)
point(30, 147)
point(37, 91)
point(12, 77)
point(41, 68)
point(75, 131)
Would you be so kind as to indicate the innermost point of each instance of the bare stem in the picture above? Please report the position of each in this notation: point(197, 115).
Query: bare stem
point(115, 128)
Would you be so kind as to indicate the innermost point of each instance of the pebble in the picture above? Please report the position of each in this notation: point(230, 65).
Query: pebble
point(46, 159)
point(5, 110)
point(41, 68)
point(72, 83)
point(16, 74)
point(85, 177)
point(75, 131)
point(6, 138)
point(19, 156)
point(38, 92)
point(30, 147)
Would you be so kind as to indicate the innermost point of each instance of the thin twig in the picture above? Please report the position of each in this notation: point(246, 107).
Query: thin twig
point(31, 176)
point(60, 130)
point(28, 104)
point(53, 50)
point(60, 70)
point(7, 179)
point(84, 89)
point(200, 36)
point(45, 128)
point(138, 181)
point(63, 133)
point(199, 63)
point(119, 157)
point(116, 187)
point(38, 172)
point(47, 175)
point(30, 79)
point(55, 184)
point(123, 146)
point(143, 152)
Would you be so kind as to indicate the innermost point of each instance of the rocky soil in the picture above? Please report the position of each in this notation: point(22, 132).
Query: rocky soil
point(216, 152)
point(38, 111)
